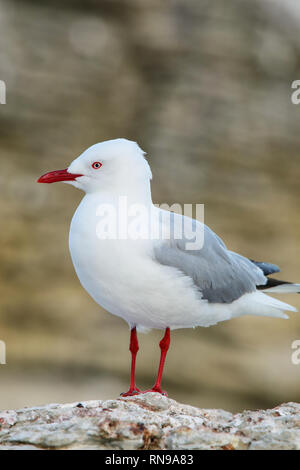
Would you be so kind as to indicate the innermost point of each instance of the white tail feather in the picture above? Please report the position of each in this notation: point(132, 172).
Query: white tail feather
point(278, 304)
point(260, 304)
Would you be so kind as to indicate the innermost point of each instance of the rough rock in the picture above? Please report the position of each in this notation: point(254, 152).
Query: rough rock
point(148, 421)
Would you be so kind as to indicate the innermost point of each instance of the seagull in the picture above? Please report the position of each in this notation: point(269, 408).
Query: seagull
point(153, 277)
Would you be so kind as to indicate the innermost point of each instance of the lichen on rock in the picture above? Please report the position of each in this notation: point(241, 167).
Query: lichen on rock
point(149, 421)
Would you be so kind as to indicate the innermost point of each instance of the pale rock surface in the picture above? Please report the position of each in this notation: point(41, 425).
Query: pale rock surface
point(148, 421)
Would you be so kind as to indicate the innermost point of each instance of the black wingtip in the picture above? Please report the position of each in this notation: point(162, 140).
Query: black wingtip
point(273, 283)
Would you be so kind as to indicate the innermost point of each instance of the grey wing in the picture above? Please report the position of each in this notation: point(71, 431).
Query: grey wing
point(221, 275)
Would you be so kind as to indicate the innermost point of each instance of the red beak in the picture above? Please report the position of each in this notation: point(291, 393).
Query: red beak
point(59, 175)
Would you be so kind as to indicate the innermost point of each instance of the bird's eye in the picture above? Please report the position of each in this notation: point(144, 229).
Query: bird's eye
point(96, 165)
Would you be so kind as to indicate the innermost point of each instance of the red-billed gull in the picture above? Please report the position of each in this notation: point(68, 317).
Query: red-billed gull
point(155, 281)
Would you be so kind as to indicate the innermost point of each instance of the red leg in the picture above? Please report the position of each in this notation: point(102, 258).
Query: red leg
point(164, 346)
point(133, 348)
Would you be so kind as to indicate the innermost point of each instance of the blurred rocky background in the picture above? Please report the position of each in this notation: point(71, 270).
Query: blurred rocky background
point(205, 89)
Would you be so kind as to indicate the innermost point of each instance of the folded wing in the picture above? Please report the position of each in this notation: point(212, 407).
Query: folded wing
point(221, 275)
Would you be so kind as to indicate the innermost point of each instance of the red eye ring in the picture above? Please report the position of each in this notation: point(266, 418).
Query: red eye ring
point(96, 165)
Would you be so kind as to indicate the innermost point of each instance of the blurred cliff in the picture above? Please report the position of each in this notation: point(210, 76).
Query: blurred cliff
point(205, 88)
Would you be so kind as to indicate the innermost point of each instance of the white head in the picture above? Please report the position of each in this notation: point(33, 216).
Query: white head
point(116, 166)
